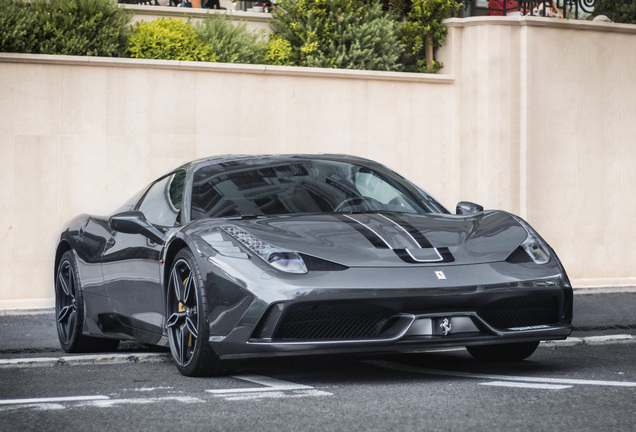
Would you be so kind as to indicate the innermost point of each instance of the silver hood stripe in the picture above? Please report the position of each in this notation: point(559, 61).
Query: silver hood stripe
point(370, 229)
point(413, 252)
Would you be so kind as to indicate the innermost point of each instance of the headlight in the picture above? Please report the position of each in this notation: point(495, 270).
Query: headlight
point(280, 259)
point(536, 250)
point(534, 246)
point(289, 262)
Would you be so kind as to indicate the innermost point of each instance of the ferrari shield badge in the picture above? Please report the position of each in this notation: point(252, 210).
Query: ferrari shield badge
point(446, 326)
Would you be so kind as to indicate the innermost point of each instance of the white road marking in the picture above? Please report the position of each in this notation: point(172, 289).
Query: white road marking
point(54, 403)
point(273, 395)
point(270, 388)
point(141, 401)
point(150, 389)
point(273, 388)
point(525, 385)
point(51, 400)
point(271, 384)
point(557, 381)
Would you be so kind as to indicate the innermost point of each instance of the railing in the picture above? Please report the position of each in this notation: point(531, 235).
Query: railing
point(617, 10)
point(140, 2)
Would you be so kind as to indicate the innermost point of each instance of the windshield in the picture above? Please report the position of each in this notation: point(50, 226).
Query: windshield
point(259, 187)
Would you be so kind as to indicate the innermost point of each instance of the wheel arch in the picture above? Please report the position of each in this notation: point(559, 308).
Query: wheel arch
point(173, 249)
point(63, 247)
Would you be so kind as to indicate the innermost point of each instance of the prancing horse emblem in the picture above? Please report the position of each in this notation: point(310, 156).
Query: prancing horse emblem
point(440, 275)
point(445, 326)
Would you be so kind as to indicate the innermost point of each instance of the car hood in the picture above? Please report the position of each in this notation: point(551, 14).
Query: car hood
point(390, 240)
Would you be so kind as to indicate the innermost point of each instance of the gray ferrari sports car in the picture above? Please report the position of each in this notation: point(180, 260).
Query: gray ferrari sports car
point(236, 257)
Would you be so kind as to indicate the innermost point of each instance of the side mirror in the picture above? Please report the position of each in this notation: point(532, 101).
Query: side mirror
point(468, 208)
point(134, 222)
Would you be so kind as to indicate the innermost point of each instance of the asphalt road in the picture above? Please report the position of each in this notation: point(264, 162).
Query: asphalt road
point(587, 383)
point(578, 387)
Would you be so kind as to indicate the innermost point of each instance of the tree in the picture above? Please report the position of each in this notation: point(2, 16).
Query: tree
point(423, 31)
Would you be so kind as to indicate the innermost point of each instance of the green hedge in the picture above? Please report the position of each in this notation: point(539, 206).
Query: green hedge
point(347, 34)
point(231, 43)
point(66, 27)
point(279, 51)
point(168, 39)
point(17, 27)
point(350, 34)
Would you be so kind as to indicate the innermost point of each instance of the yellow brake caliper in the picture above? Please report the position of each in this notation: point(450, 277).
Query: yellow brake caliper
point(181, 308)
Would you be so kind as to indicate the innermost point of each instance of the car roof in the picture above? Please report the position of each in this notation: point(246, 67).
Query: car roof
point(237, 158)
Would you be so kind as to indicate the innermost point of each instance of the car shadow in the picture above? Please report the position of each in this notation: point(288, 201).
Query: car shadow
point(339, 369)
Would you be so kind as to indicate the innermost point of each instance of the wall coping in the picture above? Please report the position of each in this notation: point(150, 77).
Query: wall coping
point(532, 21)
point(182, 12)
point(225, 67)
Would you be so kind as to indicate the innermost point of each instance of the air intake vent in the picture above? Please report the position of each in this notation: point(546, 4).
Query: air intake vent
point(347, 321)
point(521, 312)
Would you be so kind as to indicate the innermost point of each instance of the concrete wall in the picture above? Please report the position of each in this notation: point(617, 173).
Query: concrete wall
point(531, 115)
point(548, 127)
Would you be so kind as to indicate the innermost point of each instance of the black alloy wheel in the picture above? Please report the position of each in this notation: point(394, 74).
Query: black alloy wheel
point(69, 309)
point(187, 323)
point(508, 352)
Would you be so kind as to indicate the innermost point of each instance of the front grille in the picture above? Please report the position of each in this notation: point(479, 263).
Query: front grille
point(332, 322)
point(521, 312)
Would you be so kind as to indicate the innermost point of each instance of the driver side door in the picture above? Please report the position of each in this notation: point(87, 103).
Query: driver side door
point(131, 262)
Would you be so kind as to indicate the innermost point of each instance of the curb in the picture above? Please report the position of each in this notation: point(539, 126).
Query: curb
point(604, 290)
point(27, 311)
point(85, 360)
point(590, 340)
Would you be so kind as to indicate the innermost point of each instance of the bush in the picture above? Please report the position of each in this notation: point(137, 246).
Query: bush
point(363, 37)
point(17, 27)
point(350, 34)
point(67, 27)
point(168, 39)
point(231, 43)
point(279, 51)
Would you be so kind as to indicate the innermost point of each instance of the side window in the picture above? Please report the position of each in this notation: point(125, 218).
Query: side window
point(162, 202)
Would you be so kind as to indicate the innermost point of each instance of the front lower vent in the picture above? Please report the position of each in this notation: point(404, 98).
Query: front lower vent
point(341, 321)
point(521, 312)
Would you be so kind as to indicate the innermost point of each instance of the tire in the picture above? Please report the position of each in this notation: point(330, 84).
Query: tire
point(69, 311)
point(187, 324)
point(509, 352)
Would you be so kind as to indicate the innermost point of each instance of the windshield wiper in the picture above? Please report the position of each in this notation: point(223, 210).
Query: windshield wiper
point(375, 212)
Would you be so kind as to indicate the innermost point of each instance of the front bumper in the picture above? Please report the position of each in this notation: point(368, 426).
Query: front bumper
point(379, 310)
point(409, 324)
